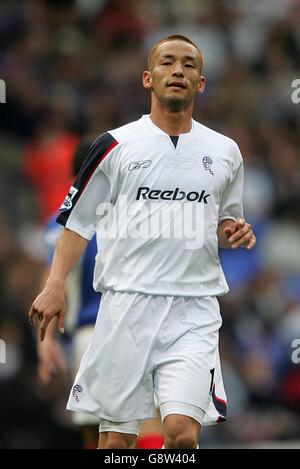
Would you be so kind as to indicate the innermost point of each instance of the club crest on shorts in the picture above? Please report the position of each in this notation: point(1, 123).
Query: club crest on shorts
point(77, 389)
point(207, 162)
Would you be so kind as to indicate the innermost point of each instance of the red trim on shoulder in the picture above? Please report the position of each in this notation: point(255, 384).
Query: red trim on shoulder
point(111, 147)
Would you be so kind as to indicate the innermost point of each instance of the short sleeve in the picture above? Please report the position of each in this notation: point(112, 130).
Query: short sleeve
point(92, 187)
point(231, 205)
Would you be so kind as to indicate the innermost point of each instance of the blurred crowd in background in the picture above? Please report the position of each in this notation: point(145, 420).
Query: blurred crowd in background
point(73, 70)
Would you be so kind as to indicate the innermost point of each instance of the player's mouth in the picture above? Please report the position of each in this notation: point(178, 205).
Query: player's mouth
point(177, 84)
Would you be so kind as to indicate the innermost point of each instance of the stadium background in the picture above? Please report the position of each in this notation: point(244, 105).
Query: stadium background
point(73, 69)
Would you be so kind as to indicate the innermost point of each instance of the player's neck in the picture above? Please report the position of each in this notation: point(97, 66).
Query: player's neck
point(171, 122)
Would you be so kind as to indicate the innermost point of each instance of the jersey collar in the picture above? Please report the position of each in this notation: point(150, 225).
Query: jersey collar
point(158, 131)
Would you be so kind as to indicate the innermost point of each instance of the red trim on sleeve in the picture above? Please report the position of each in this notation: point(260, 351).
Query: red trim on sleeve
point(111, 147)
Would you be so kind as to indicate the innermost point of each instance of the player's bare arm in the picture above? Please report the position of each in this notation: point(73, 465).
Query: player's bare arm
point(51, 301)
point(236, 234)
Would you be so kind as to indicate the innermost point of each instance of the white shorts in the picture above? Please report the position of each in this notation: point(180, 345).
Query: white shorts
point(167, 408)
point(146, 344)
point(81, 339)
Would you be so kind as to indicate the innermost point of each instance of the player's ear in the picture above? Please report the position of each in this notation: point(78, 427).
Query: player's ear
point(201, 85)
point(147, 80)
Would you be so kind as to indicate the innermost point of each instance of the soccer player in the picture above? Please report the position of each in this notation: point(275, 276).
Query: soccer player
point(161, 194)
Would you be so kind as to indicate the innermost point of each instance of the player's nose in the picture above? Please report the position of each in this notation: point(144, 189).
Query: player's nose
point(177, 69)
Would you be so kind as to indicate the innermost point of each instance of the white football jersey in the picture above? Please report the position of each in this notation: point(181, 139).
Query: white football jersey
point(155, 202)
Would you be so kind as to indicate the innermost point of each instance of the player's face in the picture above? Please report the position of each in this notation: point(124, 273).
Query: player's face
point(175, 75)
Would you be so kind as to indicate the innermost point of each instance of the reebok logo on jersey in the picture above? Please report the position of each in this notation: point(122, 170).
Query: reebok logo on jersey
point(139, 165)
point(177, 195)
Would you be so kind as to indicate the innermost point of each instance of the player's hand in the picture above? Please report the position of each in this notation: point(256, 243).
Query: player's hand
point(240, 234)
point(48, 304)
point(51, 361)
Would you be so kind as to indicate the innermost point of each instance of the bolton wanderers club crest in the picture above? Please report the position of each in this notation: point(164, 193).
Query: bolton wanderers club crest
point(77, 389)
point(207, 162)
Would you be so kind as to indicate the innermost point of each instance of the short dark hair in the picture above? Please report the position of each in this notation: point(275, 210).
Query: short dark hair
point(174, 37)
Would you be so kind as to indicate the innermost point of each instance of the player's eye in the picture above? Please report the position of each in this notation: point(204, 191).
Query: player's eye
point(189, 65)
point(167, 63)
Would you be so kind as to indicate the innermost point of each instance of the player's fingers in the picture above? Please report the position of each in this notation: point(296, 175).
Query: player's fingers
point(31, 315)
point(60, 322)
point(241, 222)
point(252, 242)
point(228, 231)
point(243, 241)
point(240, 233)
point(237, 225)
point(43, 327)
